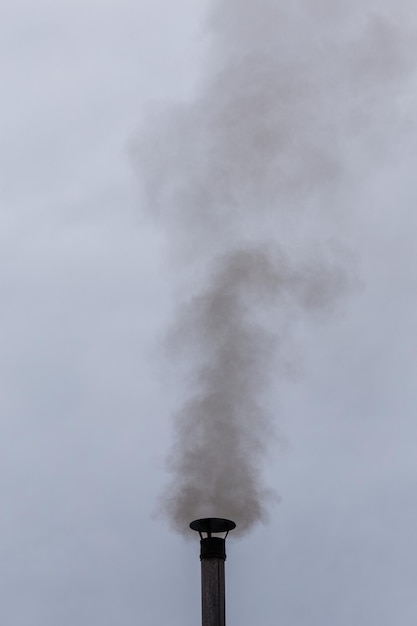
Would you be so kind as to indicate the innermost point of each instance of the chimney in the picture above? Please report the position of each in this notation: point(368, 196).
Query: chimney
point(213, 532)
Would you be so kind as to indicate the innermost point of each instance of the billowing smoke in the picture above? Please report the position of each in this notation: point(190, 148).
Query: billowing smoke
point(254, 182)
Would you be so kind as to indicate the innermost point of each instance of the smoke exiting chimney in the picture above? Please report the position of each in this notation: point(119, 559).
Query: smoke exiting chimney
point(256, 182)
point(213, 532)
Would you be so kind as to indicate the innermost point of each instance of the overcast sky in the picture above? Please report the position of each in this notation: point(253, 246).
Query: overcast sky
point(87, 394)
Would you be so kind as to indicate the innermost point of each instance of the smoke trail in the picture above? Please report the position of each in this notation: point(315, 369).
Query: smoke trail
point(250, 180)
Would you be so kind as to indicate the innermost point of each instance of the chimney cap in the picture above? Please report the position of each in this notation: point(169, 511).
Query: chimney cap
point(212, 525)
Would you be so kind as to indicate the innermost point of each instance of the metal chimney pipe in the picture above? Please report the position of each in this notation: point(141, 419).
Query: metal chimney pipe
point(213, 532)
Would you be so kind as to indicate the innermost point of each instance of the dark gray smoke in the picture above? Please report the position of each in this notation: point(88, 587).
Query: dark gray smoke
point(252, 180)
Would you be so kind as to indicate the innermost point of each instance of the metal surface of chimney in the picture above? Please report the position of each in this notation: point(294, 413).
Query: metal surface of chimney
point(213, 532)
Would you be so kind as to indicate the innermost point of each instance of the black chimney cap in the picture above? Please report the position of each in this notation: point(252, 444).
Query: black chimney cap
point(211, 525)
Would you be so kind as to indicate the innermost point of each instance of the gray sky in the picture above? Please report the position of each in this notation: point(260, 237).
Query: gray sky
point(87, 394)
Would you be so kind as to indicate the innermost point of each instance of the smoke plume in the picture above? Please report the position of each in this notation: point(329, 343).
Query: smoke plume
point(254, 181)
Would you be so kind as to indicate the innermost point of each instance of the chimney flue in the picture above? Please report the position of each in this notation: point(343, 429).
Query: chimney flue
point(213, 532)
